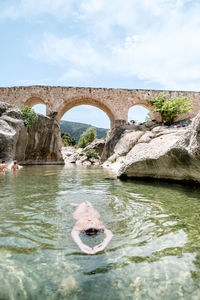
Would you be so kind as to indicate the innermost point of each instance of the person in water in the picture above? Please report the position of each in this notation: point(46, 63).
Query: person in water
point(15, 166)
point(3, 166)
point(88, 222)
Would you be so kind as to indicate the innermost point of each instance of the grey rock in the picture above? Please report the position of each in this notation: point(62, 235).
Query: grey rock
point(44, 142)
point(98, 146)
point(13, 134)
point(146, 137)
point(40, 143)
point(127, 141)
point(4, 107)
point(14, 112)
point(163, 152)
point(111, 142)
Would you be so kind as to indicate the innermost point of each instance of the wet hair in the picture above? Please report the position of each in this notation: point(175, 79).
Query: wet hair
point(92, 231)
point(3, 161)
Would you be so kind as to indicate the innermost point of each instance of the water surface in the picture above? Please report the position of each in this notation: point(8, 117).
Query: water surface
point(154, 254)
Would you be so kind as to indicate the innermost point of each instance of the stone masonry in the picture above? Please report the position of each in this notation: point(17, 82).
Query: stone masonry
point(114, 102)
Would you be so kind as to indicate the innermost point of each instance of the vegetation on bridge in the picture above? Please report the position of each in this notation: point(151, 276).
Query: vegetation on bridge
point(170, 108)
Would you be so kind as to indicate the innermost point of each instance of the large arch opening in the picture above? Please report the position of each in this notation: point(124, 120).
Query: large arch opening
point(139, 114)
point(77, 119)
point(37, 104)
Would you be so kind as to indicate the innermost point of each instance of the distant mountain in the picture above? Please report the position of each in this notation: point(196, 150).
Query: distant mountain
point(75, 129)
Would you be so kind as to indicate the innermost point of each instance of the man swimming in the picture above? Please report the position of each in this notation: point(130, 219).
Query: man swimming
point(88, 222)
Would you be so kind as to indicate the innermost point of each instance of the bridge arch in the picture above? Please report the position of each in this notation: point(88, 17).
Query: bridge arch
point(143, 103)
point(139, 112)
point(85, 101)
point(33, 101)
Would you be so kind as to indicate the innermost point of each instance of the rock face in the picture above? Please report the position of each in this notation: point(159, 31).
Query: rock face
point(44, 142)
point(162, 152)
point(38, 144)
point(98, 146)
point(13, 134)
point(112, 141)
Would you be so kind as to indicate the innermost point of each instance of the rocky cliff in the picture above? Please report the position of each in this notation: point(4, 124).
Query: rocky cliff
point(38, 144)
point(157, 152)
point(44, 142)
point(13, 134)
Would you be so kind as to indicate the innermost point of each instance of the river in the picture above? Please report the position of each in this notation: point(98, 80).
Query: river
point(154, 254)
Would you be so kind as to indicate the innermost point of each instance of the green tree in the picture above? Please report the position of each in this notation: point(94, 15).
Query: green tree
point(90, 153)
point(67, 140)
point(170, 108)
point(87, 137)
point(29, 116)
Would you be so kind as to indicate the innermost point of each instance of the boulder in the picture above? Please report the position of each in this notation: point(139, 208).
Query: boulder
point(112, 140)
point(13, 134)
point(162, 152)
point(127, 141)
point(98, 146)
point(170, 154)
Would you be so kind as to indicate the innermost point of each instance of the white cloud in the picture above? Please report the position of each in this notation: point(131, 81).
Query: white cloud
point(14, 9)
point(154, 40)
point(75, 77)
point(77, 52)
point(130, 15)
point(168, 55)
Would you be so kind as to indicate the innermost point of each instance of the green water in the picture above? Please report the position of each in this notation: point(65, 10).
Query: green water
point(154, 254)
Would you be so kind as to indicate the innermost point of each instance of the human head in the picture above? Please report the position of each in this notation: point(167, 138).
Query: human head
point(3, 162)
point(15, 162)
point(92, 223)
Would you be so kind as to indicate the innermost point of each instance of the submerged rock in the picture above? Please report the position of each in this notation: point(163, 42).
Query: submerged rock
point(162, 152)
point(67, 286)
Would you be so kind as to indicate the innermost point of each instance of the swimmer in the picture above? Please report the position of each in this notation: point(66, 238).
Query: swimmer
point(3, 166)
point(15, 166)
point(88, 222)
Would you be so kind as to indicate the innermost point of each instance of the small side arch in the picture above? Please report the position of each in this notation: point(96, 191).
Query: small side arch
point(34, 101)
point(139, 113)
point(86, 101)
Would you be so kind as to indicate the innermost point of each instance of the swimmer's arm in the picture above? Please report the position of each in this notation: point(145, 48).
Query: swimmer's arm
point(108, 238)
point(75, 235)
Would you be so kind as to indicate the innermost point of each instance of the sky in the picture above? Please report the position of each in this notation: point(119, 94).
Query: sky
point(134, 44)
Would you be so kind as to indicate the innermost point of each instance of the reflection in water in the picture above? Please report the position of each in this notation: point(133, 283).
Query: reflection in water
point(154, 253)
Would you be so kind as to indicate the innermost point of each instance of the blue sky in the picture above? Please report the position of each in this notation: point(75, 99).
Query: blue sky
point(150, 44)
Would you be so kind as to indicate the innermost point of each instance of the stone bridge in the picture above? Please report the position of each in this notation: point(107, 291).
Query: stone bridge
point(114, 102)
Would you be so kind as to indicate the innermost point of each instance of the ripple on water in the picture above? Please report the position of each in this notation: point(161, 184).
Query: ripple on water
point(154, 253)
